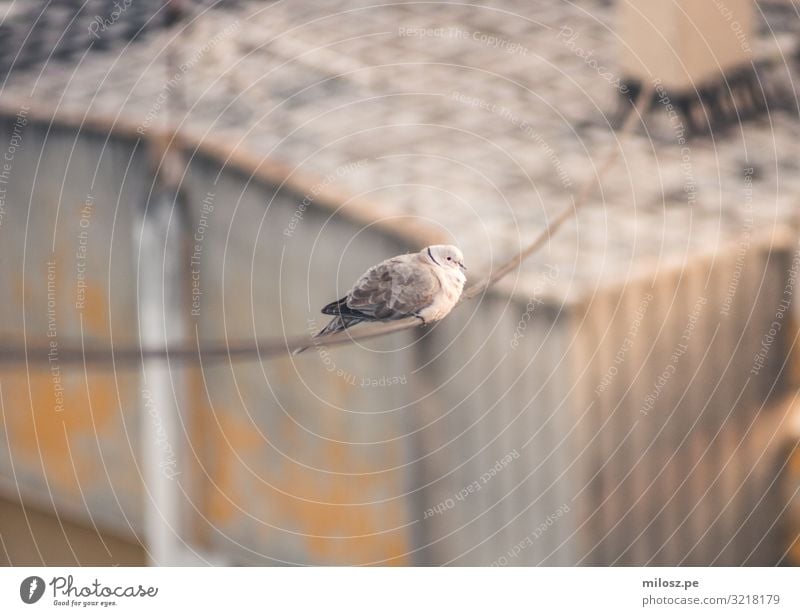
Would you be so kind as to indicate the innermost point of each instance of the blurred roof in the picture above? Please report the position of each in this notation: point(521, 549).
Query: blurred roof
point(481, 121)
point(33, 32)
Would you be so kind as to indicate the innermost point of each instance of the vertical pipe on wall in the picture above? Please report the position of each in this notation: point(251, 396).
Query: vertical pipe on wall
point(160, 324)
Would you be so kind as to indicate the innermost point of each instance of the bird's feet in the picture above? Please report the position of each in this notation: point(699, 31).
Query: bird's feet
point(421, 318)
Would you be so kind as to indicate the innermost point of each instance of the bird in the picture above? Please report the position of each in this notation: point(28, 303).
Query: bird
point(426, 285)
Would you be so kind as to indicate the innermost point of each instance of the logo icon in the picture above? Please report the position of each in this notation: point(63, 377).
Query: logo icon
point(31, 589)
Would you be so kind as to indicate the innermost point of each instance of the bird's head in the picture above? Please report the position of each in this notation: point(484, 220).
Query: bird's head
point(446, 256)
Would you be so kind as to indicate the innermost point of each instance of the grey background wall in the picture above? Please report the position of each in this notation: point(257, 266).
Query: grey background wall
point(443, 445)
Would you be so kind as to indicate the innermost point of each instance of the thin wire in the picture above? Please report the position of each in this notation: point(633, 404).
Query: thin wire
point(261, 349)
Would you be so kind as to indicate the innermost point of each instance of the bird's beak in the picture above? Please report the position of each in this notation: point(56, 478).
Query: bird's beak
point(462, 266)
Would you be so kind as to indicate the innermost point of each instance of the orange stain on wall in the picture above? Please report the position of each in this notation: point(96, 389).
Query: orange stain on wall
point(54, 413)
point(49, 432)
point(339, 530)
point(95, 313)
point(229, 438)
point(321, 507)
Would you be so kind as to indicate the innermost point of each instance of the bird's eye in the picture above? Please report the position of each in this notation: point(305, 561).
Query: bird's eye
point(449, 258)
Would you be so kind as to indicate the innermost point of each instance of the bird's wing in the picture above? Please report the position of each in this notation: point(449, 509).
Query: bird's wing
point(394, 289)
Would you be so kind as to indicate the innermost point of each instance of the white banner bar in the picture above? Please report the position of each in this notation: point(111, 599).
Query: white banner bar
point(386, 591)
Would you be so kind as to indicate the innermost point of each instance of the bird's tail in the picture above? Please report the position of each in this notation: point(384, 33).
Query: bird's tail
point(337, 324)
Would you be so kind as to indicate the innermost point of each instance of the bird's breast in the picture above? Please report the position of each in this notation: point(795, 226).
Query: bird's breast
point(447, 298)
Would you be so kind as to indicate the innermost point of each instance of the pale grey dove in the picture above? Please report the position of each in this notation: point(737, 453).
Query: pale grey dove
point(426, 285)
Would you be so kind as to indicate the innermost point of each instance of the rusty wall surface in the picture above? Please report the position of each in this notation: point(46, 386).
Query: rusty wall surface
point(299, 460)
point(577, 452)
point(688, 433)
point(69, 436)
point(305, 455)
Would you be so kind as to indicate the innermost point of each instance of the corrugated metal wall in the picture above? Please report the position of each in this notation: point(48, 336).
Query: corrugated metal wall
point(515, 432)
point(643, 437)
point(302, 463)
point(70, 437)
point(292, 460)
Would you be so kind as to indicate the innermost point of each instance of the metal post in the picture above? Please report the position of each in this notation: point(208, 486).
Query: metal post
point(160, 325)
